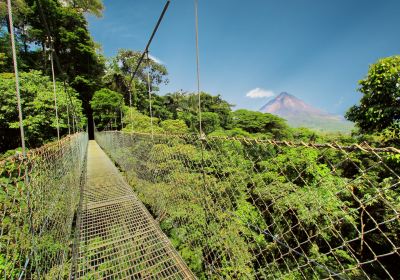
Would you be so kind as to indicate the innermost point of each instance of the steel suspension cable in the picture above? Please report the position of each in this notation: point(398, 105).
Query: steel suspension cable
point(149, 90)
point(130, 102)
point(202, 137)
point(131, 80)
point(150, 40)
point(196, 4)
point(14, 54)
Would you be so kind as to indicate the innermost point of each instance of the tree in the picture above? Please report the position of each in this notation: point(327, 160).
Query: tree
point(138, 122)
point(209, 122)
point(75, 53)
point(119, 76)
point(257, 122)
point(37, 100)
point(176, 102)
point(306, 134)
point(236, 132)
point(107, 108)
point(36, 20)
point(174, 126)
point(214, 104)
point(159, 109)
point(94, 7)
point(185, 106)
point(20, 12)
point(379, 107)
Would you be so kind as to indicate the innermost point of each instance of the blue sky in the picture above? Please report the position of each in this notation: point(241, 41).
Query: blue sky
point(316, 50)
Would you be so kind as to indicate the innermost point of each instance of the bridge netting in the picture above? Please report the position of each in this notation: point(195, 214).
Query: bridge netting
point(39, 195)
point(117, 237)
point(234, 208)
point(239, 208)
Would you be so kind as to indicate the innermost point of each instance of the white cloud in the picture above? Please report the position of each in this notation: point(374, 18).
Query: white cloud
point(260, 93)
point(156, 59)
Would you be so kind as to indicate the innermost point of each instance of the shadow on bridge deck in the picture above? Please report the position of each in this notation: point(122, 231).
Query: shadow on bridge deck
point(118, 237)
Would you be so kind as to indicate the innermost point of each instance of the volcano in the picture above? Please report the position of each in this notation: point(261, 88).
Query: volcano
point(300, 114)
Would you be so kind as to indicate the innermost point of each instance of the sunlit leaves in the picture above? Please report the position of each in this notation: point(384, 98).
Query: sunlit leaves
point(38, 106)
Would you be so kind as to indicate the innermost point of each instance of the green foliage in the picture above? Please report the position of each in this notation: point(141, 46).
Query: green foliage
point(20, 11)
point(379, 107)
point(225, 204)
point(185, 106)
point(228, 206)
point(174, 126)
point(94, 7)
point(39, 195)
point(136, 121)
point(37, 101)
point(68, 27)
point(76, 60)
point(107, 107)
point(306, 134)
point(217, 105)
point(256, 122)
point(209, 122)
point(236, 132)
point(118, 77)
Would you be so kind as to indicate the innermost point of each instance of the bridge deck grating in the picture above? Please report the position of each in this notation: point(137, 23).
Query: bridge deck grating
point(118, 237)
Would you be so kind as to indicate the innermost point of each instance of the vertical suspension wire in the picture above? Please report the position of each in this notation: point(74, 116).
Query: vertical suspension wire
point(121, 109)
point(130, 102)
point(71, 103)
point(130, 97)
point(196, 4)
point(75, 119)
point(122, 118)
point(68, 122)
point(73, 122)
point(14, 53)
point(54, 87)
point(149, 90)
point(121, 113)
point(201, 134)
point(130, 85)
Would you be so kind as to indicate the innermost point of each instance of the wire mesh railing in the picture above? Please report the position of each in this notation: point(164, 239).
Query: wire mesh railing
point(262, 209)
point(39, 195)
point(118, 238)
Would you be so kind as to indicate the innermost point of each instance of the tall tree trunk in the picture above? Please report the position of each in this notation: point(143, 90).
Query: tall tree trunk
point(8, 24)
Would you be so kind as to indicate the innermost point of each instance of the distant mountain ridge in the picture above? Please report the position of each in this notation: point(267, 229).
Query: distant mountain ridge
point(300, 114)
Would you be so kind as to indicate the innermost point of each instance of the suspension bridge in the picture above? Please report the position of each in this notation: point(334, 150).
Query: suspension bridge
point(181, 207)
point(162, 206)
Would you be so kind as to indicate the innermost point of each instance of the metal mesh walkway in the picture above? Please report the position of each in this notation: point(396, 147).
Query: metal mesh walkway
point(118, 237)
